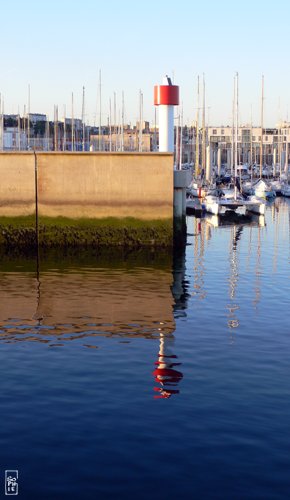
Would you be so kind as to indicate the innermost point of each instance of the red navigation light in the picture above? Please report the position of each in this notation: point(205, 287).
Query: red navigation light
point(167, 95)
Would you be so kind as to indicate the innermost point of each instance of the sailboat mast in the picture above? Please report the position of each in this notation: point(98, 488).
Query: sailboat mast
point(47, 133)
point(233, 130)
point(28, 119)
point(251, 147)
point(55, 123)
point(64, 129)
point(251, 142)
point(122, 122)
point(115, 121)
point(262, 120)
point(140, 120)
point(100, 115)
point(237, 123)
point(19, 131)
point(181, 132)
point(72, 123)
point(203, 127)
point(110, 125)
point(83, 120)
point(197, 133)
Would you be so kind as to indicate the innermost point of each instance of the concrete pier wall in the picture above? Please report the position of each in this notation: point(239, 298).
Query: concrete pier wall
point(100, 185)
point(75, 194)
point(93, 185)
point(17, 184)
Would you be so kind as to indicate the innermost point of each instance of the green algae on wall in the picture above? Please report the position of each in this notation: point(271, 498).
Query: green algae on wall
point(18, 231)
point(65, 232)
point(104, 232)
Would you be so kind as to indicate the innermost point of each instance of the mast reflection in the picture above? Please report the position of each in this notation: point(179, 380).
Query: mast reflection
point(198, 255)
point(236, 225)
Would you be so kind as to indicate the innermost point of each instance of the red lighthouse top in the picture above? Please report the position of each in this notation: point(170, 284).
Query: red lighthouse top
point(166, 94)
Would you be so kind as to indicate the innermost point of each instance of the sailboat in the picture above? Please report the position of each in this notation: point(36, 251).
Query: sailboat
point(199, 188)
point(264, 190)
point(232, 200)
point(285, 186)
point(261, 188)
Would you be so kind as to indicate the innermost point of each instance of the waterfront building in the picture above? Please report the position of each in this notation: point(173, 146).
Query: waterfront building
point(115, 139)
point(14, 139)
point(273, 142)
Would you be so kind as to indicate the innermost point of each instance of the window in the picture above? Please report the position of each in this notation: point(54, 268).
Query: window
point(214, 131)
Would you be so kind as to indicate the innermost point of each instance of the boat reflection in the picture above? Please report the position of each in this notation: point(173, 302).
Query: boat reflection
point(201, 235)
point(234, 220)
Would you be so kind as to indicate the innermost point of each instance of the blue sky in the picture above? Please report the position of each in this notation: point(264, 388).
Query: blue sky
point(59, 46)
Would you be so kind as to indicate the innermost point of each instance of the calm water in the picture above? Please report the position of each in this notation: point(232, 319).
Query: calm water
point(147, 375)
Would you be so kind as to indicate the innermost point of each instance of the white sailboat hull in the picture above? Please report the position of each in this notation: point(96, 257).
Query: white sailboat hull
point(262, 190)
point(256, 205)
point(217, 206)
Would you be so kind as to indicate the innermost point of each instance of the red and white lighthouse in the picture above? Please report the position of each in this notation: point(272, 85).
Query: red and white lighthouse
point(166, 96)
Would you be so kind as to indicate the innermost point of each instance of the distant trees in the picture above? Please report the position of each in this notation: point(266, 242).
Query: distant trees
point(10, 121)
point(39, 128)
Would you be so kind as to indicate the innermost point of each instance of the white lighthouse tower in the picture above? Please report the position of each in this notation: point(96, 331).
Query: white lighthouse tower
point(166, 96)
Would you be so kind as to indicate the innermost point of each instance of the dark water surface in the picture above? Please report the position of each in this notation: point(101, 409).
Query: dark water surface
point(147, 375)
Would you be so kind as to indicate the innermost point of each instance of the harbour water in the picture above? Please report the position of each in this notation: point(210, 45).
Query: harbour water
point(149, 375)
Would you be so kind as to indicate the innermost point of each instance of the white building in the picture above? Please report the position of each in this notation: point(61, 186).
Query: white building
point(274, 143)
point(13, 140)
point(77, 123)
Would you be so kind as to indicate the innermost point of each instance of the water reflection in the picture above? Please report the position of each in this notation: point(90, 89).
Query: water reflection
point(67, 299)
point(81, 296)
point(165, 374)
point(235, 225)
point(198, 265)
point(60, 298)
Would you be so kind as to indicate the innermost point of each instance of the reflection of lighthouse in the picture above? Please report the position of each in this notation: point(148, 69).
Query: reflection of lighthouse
point(165, 373)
